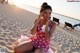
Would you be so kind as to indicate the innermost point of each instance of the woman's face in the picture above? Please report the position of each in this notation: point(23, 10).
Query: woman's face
point(46, 14)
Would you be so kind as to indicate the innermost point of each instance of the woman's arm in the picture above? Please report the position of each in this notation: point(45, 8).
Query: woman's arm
point(46, 31)
point(34, 29)
point(53, 28)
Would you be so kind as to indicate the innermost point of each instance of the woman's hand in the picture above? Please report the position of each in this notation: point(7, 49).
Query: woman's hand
point(47, 23)
point(40, 16)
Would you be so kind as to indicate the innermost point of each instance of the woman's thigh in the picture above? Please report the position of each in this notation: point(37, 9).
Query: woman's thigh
point(27, 46)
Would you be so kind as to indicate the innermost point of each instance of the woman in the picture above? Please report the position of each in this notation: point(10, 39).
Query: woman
point(43, 29)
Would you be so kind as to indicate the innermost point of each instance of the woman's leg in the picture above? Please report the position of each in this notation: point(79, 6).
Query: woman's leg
point(39, 51)
point(24, 47)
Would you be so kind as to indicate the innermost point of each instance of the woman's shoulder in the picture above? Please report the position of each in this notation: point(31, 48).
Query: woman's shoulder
point(52, 22)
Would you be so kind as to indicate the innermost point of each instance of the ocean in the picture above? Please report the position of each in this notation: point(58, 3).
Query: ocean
point(62, 18)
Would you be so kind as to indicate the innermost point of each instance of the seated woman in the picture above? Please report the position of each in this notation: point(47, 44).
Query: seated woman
point(43, 29)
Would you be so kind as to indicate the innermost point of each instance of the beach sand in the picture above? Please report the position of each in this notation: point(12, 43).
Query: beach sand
point(15, 21)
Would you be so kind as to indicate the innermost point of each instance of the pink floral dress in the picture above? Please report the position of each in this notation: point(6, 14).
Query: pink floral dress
point(39, 40)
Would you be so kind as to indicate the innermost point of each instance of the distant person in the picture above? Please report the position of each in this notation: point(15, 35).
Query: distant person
point(4, 1)
point(43, 29)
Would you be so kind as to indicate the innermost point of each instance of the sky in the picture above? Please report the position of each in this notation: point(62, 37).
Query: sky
point(71, 9)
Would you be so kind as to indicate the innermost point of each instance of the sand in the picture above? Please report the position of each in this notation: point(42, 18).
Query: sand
point(15, 21)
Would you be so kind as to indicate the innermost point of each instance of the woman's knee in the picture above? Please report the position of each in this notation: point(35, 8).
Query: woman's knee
point(17, 50)
point(24, 47)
